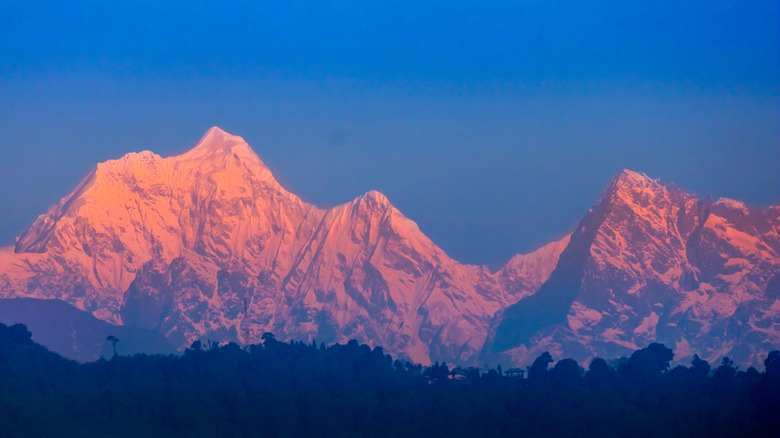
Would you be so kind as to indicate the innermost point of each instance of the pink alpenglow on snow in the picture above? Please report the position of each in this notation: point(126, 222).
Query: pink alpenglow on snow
point(208, 245)
point(651, 263)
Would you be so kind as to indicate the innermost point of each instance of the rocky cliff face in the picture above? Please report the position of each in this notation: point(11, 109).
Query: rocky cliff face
point(651, 263)
point(207, 245)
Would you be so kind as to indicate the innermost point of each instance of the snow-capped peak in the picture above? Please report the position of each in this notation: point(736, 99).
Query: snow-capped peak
point(217, 143)
point(376, 197)
point(637, 191)
point(632, 178)
point(216, 138)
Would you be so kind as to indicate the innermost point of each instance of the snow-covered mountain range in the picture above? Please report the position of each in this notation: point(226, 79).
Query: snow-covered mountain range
point(208, 245)
point(651, 263)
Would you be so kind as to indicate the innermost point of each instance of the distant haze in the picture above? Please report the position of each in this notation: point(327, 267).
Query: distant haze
point(494, 128)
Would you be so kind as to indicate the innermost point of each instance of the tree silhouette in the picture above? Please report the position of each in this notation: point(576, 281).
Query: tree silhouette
point(114, 340)
point(599, 372)
point(700, 367)
point(538, 370)
point(567, 372)
point(268, 338)
point(648, 363)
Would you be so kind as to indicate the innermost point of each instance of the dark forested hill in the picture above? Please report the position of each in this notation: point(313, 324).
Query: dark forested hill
point(277, 389)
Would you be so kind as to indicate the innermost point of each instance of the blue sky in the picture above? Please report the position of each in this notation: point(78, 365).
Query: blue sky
point(494, 125)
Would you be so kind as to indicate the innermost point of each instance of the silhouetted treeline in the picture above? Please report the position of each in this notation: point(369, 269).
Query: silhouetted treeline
point(278, 389)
